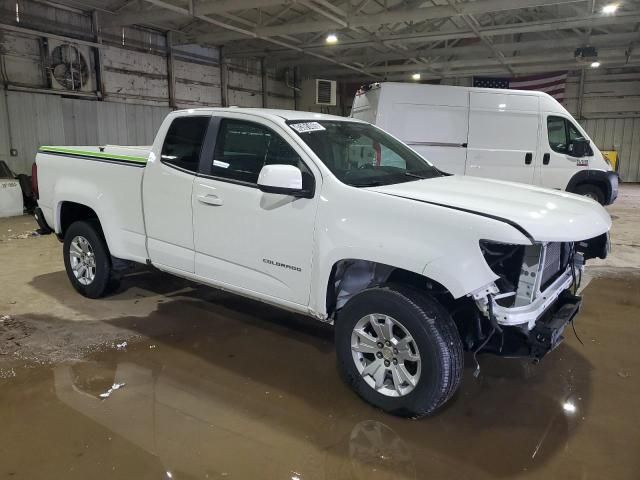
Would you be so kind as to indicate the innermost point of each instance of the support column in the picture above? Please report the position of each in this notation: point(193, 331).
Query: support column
point(97, 55)
point(295, 88)
point(171, 74)
point(224, 79)
point(580, 95)
point(263, 74)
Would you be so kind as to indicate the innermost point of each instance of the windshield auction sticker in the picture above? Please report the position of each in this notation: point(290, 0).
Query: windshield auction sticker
point(307, 127)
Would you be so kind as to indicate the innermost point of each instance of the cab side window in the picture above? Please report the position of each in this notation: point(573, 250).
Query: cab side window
point(183, 142)
point(243, 148)
point(561, 133)
point(557, 131)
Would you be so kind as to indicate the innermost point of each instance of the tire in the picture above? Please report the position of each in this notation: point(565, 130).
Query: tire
point(92, 282)
point(592, 191)
point(438, 373)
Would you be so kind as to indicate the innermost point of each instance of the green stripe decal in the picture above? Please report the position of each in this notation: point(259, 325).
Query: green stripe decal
point(85, 153)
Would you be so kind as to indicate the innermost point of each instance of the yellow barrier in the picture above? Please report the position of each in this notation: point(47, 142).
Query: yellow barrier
point(612, 156)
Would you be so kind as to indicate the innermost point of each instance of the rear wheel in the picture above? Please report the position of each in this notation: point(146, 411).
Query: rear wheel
point(399, 349)
point(592, 191)
point(86, 259)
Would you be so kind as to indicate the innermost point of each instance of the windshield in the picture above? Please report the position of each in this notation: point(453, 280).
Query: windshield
point(362, 155)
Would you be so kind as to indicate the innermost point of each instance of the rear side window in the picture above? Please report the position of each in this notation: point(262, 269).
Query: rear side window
point(183, 142)
point(243, 148)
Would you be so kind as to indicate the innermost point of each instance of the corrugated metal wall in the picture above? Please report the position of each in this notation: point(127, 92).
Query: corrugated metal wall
point(622, 135)
point(610, 113)
point(40, 119)
point(245, 86)
point(135, 77)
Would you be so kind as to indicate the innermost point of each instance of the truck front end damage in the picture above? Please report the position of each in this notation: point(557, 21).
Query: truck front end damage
point(525, 311)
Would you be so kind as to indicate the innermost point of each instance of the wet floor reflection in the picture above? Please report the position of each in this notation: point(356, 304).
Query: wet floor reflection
point(238, 390)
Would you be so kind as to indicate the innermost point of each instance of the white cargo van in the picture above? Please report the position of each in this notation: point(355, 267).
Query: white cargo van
point(515, 135)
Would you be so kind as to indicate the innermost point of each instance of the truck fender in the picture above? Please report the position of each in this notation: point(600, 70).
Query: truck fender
point(81, 194)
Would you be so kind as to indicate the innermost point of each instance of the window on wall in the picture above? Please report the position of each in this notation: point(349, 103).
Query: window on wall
point(183, 142)
point(561, 133)
point(243, 148)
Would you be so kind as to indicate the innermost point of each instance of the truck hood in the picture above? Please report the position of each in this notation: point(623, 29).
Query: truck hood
point(545, 215)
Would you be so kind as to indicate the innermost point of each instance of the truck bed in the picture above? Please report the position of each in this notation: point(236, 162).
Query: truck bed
point(107, 179)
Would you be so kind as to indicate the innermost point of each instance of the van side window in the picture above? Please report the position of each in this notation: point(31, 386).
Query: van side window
point(561, 133)
point(243, 148)
point(183, 142)
point(557, 131)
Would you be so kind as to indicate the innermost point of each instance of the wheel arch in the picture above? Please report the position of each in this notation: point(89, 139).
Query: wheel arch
point(350, 276)
point(69, 212)
point(599, 178)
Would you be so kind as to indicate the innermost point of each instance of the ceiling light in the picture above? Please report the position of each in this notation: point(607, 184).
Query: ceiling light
point(595, 64)
point(332, 38)
point(611, 8)
point(415, 76)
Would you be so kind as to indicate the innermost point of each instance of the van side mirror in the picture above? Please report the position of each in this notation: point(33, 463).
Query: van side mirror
point(282, 180)
point(579, 147)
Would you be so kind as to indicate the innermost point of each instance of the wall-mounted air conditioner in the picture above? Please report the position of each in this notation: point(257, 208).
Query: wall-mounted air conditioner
point(71, 66)
point(326, 92)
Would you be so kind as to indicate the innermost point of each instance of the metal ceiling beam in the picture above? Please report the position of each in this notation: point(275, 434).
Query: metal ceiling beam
point(331, 16)
point(396, 16)
point(520, 70)
point(611, 54)
point(470, 21)
point(189, 12)
point(604, 40)
point(199, 8)
point(335, 9)
point(509, 29)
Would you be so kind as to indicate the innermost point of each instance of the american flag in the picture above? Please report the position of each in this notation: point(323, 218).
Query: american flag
point(551, 83)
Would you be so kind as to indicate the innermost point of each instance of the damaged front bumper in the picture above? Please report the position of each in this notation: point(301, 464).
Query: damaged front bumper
point(547, 333)
point(528, 315)
point(531, 329)
point(525, 310)
point(545, 336)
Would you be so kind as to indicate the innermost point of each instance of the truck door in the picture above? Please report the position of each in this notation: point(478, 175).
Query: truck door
point(258, 242)
point(558, 163)
point(166, 193)
point(503, 136)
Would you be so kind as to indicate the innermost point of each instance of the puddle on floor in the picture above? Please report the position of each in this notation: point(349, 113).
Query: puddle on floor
point(228, 395)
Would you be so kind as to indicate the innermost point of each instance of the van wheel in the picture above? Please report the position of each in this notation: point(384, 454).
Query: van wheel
point(399, 349)
point(592, 191)
point(86, 259)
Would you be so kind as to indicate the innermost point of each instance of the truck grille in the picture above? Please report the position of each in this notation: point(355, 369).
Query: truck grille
point(556, 259)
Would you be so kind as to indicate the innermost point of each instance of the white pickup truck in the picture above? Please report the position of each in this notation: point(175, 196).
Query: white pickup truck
point(333, 218)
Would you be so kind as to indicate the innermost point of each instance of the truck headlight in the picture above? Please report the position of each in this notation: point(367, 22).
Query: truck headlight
point(505, 260)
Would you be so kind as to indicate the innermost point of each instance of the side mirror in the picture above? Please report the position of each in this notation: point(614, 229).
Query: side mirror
point(579, 147)
point(283, 180)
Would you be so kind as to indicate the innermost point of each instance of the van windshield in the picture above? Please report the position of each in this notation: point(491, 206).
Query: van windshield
point(362, 155)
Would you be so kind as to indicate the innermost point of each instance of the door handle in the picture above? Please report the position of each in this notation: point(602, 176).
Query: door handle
point(528, 158)
point(210, 200)
point(546, 158)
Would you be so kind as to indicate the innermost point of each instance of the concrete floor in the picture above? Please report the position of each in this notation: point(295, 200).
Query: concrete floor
point(215, 386)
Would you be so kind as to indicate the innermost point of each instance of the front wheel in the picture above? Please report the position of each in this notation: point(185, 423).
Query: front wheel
point(399, 349)
point(86, 259)
point(591, 191)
